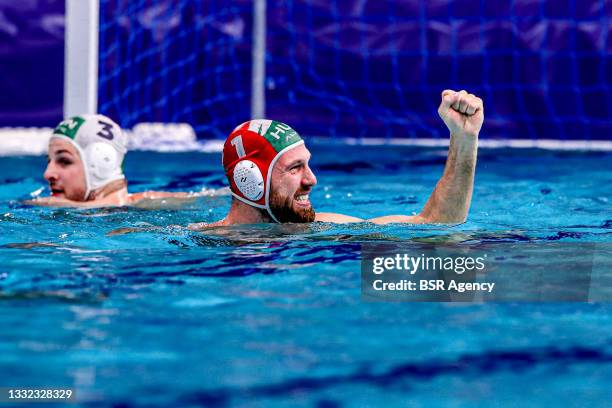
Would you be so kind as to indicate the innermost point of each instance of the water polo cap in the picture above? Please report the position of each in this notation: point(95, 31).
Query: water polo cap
point(249, 155)
point(101, 145)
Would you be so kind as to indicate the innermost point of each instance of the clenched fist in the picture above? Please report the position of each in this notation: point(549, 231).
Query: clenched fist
point(462, 113)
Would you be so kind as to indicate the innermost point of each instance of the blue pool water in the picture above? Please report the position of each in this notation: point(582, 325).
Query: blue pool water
point(272, 315)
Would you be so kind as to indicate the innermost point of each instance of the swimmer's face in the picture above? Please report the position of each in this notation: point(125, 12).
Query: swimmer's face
point(292, 181)
point(65, 173)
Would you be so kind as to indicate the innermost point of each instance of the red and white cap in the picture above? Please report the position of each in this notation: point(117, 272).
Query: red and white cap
point(249, 155)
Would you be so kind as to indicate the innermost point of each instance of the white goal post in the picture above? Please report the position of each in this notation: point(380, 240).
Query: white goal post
point(81, 58)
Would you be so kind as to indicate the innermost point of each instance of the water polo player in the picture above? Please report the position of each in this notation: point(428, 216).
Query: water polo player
point(266, 163)
point(84, 168)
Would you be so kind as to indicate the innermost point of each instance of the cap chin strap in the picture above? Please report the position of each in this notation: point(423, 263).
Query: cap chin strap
point(271, 215)
point(258, 206)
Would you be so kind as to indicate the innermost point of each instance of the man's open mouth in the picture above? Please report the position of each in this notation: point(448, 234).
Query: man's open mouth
point(56, 192)
point(302, 200)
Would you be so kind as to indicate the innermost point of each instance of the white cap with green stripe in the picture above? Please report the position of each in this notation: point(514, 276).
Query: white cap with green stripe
point(101, 145)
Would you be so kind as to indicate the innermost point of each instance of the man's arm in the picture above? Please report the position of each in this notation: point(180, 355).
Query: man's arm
point(463, 114)
point(62, 202)
point(152, 200)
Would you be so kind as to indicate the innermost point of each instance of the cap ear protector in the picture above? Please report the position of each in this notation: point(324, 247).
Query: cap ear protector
point(249, 180)
point(249, 155)
point(102, 161)
point(101, 145)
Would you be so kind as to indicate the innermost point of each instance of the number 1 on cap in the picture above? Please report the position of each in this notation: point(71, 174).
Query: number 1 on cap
point(237, 143)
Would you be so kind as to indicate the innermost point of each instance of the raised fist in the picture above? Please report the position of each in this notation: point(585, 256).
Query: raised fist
point(462, 112)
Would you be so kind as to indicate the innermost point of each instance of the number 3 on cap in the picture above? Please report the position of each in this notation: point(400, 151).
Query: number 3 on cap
point(106, 131)
point(237, 143)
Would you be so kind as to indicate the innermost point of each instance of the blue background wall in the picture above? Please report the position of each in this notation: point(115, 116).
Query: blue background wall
point(339, 68)
point(31, 62)
point(376, 68)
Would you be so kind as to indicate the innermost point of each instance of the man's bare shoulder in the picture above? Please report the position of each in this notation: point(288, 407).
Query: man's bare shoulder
point(157, 195)
point(389, 219)
point(336, 218)
point(399, 219)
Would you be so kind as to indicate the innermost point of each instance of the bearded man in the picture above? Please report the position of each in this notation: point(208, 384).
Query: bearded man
point(266, 163)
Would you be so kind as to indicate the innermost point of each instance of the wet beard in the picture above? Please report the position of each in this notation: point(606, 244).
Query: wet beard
point(284, 211)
